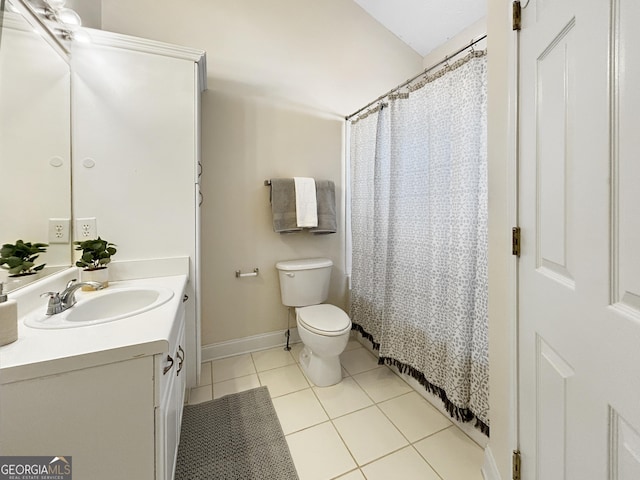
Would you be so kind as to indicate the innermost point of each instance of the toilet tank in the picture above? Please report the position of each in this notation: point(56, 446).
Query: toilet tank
point(304, 282)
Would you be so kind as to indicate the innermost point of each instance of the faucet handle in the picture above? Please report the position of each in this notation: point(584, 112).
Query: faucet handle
point(55, 303)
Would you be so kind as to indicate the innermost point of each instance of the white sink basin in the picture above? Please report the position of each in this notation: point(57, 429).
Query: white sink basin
point(103, 306)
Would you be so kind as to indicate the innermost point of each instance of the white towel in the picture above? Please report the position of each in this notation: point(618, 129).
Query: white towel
point(306, 204)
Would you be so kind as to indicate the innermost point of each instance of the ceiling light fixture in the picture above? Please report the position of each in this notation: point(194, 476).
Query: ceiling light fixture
point(60, 20)
point(69, 18)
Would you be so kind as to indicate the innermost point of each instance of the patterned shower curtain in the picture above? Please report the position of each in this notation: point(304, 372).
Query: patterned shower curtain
point(419, 234)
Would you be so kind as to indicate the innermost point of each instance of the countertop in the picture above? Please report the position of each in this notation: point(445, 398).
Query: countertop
point(42, 352)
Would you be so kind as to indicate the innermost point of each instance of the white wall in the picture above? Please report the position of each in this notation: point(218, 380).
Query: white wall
point(501, 321)
point(282, 75)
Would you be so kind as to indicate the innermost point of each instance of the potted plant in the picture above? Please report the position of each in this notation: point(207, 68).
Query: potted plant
point(19, 259)
point(96, 254)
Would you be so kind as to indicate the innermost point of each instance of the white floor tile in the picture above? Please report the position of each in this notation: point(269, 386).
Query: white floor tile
point(200, 394)
point(358, 360)
point(299, 410)
point(343, 398)
point(414, 416)
point(283, 380)
point(382, 384)
point(355, 475)
point(232, 367)
point(406, 464)
point(272, 358)
point(369, 434)
point(318, 453)
point(235, 385)
point(452, 454)
point(205, 374)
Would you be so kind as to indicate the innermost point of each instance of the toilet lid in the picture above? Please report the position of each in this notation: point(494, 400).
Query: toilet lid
point(324, 319)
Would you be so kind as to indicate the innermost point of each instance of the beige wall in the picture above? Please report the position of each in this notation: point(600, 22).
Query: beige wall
point(282, 75)
point(501, 262)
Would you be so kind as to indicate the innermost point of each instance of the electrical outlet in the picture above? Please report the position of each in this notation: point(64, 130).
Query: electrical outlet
point(86, 228)
point(59, 230)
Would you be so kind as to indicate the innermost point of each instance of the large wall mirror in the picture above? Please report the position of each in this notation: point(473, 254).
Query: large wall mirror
point(35, 142)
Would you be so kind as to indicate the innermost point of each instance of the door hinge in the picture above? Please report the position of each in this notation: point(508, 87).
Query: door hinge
point(516, 465)
point(515, 241)
point(517, 15)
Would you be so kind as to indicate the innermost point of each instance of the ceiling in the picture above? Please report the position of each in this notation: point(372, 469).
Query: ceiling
point(425, 24)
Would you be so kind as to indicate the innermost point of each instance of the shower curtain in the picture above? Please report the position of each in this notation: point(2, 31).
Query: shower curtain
point(419, 234)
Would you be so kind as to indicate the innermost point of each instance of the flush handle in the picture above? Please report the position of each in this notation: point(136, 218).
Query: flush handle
point(290, 274)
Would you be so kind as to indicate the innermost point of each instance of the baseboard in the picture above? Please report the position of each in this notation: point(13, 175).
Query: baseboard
point(254, 343)
point(489, 468)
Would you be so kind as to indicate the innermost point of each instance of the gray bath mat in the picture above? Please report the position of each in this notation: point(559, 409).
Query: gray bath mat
point(234, 437)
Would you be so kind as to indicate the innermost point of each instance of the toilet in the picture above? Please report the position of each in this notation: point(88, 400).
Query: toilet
point(323, 328)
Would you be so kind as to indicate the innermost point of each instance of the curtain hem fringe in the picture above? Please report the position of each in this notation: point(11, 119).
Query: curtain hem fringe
point(459, 413)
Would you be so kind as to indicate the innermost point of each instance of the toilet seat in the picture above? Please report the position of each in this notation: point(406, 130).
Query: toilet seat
point(324, 319)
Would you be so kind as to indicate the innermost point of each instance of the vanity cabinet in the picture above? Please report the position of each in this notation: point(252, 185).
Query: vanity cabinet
point(120, 419)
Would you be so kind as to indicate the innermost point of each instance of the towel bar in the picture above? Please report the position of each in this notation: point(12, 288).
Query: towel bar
point(255, 273)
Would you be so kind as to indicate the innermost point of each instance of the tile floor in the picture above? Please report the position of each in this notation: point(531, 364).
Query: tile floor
point(371, 426)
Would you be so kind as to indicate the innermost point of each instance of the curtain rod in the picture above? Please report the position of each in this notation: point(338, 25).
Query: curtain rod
point(444, 60)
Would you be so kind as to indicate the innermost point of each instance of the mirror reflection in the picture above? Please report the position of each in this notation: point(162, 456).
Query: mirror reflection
point(35, 152)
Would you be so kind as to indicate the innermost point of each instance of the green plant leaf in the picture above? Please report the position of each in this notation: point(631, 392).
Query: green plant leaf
point(14, 262)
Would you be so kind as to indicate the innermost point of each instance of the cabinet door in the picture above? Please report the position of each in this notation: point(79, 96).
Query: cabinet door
point(101, 416)
point(169, 413)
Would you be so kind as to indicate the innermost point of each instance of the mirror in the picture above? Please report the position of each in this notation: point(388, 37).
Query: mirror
point(35, 142)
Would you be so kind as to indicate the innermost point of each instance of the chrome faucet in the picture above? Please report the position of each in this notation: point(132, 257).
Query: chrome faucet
point(59, 302)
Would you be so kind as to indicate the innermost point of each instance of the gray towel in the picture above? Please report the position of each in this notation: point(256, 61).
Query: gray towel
point(283, 205)
point(326, 199)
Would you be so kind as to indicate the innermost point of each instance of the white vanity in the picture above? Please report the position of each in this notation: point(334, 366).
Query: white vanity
point(109, 395)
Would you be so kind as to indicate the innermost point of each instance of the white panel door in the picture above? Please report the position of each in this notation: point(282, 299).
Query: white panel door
point(579, 210)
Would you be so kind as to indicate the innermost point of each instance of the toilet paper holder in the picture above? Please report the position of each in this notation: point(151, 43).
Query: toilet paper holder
point(255, 273)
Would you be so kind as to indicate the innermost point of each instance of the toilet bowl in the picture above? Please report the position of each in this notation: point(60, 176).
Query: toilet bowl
point(324, 329)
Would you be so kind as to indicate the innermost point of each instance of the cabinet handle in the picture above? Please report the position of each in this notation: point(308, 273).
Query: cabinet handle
point(185, 298)
point(199, 169)
point(201, 198)
point(168, 367)
point(180, 356)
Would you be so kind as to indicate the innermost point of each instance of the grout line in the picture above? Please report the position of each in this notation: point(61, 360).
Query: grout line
point(427, 461)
